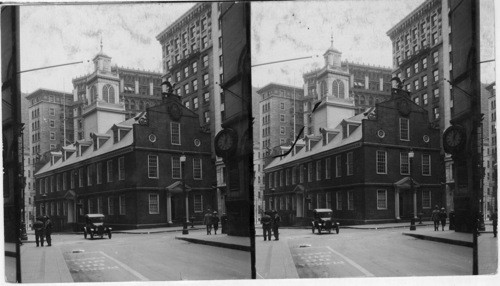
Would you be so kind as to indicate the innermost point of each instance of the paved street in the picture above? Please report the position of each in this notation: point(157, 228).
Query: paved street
point(365, 253)
point(142, 257)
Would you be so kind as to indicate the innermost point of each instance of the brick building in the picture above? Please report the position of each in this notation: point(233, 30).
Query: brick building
point(280, 115)
point(132, 172)
point(361, 168)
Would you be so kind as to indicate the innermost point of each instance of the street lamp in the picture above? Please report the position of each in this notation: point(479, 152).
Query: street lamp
point(411, 154)
point(185, 224)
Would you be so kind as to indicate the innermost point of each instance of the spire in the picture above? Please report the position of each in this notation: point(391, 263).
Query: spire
point(331, 40)
point(101, 43)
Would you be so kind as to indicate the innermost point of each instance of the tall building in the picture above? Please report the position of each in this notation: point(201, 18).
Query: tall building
point(490, 202)
point(421, 57)
point(193, 61)
point(50, 123)
point(280, 115)
point(136, 90)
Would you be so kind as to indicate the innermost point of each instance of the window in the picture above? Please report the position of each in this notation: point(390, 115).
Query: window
point(408, 72)
point(198, 203)
point(415, 67)
point(282, 117)
point(99, 173)
point(121, 168)
point(186, 88)
point(404, 163)
point(195, 85)
point(108, 93)
point(301, 173)
point(52, 136)
point(52, 111)
point(435, 39)
point(381, 199)
point(176, 168)
point(90, 206)
point(221, 60)
point(195, 103)
point(206, 97)
point(424, 63)
point(197, 174)
point(122, 205)
point(350, 200)
point(64, 181)
point(178, 76)
point(436, 93)
point(153, 166)
point(72, 181)
point(424, 80)
point(417, 100)
point(205, 61)
point(404, 129)
point(206, 116)
point(415, 83)
point(80, 177)
point(309, 172)
point(435, 113)
point(435, 56)
point(89, 175)
point(426, 199)
point(436, 75)
point(425, 99)
point(426, 165)
point(80, 210)
point(99, 205)
point(194, 66)
point(350, 164)
point(408, 87)
point(329, 200)
point(338, 88)
point(338, 166)
point(318, 170)
point(327, 168)
point(52, 123)
point(154, 207)
point(111, 206)
point(187, 104)
point(381, 157)
point(175, 133)
point(338, 196)
point(109, 171)
point(281, 179)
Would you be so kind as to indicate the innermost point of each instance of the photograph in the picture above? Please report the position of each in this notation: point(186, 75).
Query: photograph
point(133, 137)
point(365, 150)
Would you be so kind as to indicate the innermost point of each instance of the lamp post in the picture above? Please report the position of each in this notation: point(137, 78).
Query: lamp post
point(411, 154)
point(185, 224)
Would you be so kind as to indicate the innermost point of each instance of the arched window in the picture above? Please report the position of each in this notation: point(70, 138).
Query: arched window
point(93, 93)
point(338, 88)
point(323, 90)
point(108, 93)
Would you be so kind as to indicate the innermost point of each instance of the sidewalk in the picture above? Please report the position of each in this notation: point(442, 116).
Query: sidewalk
point(219, 240)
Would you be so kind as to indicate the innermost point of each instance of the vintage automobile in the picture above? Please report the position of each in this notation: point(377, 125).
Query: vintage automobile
point(94, 226)
point(322, 220)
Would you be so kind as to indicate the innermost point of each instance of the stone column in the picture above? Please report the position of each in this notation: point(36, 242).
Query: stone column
point(396, 202)
point(169, 207)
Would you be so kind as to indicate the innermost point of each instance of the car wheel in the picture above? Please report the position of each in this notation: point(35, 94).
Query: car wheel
point(109, 234)
point(337, 229)
point(313, 228)
point(84, 234)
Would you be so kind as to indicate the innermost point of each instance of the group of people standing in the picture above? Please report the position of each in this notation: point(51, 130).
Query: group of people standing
point(439, 216)
point(43, 230)
point(270, 221)
point(211, 220)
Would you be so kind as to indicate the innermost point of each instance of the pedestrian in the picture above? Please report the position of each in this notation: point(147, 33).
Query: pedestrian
point(266, 225)
point(207, 220)
point(494, 218)
point(38, 226)
point(442, 217)
point(215, 221)
point(223, 222)
point(435, 218)
point(276, 225)
point(48, 230)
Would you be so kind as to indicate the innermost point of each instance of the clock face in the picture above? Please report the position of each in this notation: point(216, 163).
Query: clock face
point(225, 142)
point(454, 138)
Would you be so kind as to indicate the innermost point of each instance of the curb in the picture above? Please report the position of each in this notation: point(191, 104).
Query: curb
point(440, 239)
point(215, 243)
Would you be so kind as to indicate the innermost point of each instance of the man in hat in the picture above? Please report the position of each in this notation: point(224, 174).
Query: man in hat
point(48, 230)
point(207, 220)
point(435, 218)
point(276, 225)
point(442, 217)
point(215, 221)
point(266, 225)
point(38, 226)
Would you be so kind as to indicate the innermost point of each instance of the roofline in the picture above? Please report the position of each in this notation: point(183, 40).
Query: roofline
point(48, 90)
point(409, 16)
point(180, 19)
point(269, 85)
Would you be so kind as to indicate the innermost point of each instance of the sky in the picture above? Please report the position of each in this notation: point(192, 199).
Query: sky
point(288, 30)
point(58, 34)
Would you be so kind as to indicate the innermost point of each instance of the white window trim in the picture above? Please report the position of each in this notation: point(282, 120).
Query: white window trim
point(401, 163)
point(150, 166)
point(385, 192)
point(201, 169)
point(376, 162)
point(430, 199)
point(180, 168)
point(157, 203)
point(171, 133)
point(430, 165)
point(201, 203)
point(407, 127)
